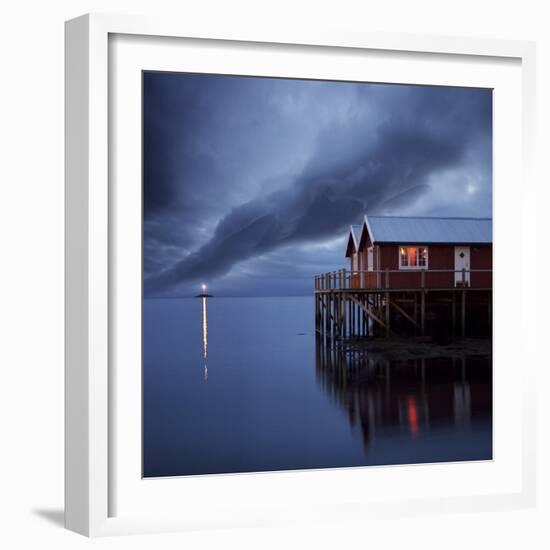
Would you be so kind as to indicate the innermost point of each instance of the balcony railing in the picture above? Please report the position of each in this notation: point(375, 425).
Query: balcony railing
point(404, 279)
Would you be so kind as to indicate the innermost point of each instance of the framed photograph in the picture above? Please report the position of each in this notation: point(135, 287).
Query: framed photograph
point(297, 276)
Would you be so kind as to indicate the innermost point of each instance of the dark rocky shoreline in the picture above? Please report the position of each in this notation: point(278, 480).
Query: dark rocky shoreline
point(404, 349)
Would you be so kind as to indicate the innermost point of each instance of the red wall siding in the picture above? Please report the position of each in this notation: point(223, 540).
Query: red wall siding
point(439, 257)
point(355, 260)
point(481, 257)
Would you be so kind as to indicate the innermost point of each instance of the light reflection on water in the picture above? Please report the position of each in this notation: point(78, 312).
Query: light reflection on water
point(204, 337)
point(408, 397)
point(275, 400)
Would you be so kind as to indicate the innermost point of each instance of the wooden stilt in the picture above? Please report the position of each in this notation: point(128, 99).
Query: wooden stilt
point(415, 315)
point(463, 314)
point(388, 314)
point(489, 311)
point(327, 315)
point(317, 327)
point(337, 316)
point(369, 311)
point(341, 315)
point(334, 318)
point(359, 316)
point(422, 313)
point(370, 305)
point(344, 312)
point(365, 325)
point(353, 315)
point(404, 313)
point(351, 328)
point(453, 313)
point(344, 324)
point(345, 319)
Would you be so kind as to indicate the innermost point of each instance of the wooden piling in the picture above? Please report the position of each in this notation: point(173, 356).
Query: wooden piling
point(453, 312)
point(352, 323)
point(326, 311)
point(317, 327)
point(344, 318)
point(388, 314)
point(422, 313)
point(415, 314)
point(365, 319)
point(463, 314)
point(344, 310)
point(489, 311)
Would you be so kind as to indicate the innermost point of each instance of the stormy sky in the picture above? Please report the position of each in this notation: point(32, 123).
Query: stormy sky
point(250, 184)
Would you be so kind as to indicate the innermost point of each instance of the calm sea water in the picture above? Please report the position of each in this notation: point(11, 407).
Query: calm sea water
point(239, 385)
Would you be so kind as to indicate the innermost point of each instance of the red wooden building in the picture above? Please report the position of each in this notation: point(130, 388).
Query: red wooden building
point(420, 252)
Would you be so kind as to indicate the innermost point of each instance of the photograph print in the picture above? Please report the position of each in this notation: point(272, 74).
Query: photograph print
point(317, 274)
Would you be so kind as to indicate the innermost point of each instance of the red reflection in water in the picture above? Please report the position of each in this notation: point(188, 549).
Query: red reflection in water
point(412, 414)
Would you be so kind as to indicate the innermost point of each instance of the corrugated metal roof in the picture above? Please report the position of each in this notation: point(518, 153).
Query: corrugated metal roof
point(393, 229)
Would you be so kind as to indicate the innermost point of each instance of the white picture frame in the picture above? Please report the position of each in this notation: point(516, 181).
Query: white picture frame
point(91, 217)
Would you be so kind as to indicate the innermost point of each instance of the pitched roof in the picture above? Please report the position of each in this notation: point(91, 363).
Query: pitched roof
point(355, 231)
point(412, 229)
point(354, 235)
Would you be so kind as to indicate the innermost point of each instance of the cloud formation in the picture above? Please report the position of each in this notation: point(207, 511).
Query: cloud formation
point(238, 169)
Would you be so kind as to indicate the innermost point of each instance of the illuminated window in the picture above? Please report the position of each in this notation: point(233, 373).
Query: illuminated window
point(413, 257)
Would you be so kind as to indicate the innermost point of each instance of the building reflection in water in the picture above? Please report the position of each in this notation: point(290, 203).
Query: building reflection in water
point(204, 337)
point(404, 396)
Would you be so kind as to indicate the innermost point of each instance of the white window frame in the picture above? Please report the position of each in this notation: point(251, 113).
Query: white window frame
point(412, 267)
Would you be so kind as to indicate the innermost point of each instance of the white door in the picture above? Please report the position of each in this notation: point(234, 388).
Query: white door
point(462, 261)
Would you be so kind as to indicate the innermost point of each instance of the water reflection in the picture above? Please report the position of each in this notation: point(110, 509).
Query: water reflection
point(272, 408)
point(204, 337)
point(407, 398)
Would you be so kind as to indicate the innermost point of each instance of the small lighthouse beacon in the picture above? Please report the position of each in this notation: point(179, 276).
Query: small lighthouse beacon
point(203, 293)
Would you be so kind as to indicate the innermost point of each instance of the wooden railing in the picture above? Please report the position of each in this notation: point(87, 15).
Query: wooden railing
point(404, 279)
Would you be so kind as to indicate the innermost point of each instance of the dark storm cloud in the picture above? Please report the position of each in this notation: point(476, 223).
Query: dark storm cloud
point(211, 143)
point(314, 157)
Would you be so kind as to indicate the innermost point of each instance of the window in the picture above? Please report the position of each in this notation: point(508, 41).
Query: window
point(413, 257)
